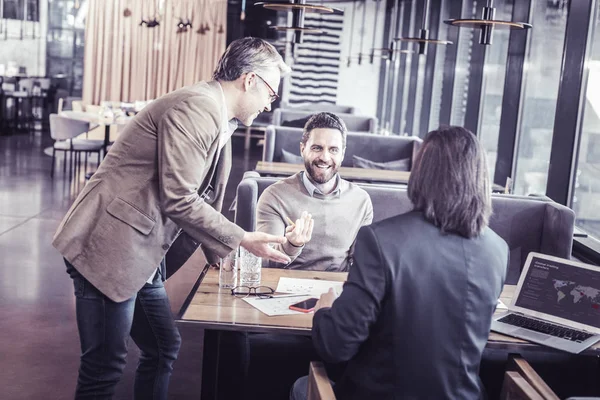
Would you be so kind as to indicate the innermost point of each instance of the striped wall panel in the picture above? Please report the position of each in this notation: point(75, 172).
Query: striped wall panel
point(316, 66)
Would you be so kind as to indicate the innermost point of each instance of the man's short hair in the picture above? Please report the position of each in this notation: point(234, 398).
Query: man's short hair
point(450, 183)
point(246, 55)
point(324, 120)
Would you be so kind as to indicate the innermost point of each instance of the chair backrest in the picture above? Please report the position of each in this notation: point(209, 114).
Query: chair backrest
point(69, 100)
point(77, 105)
point(523, 368)
point(60, 94)
point(319, 386)
point(354, 123)
point(526, 224)
point(63, 128)
point(376, 148)
point(8, 84)
point(320, 107)
point(515, 387)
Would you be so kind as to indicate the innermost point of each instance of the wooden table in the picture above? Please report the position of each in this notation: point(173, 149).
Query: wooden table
point(216, 311)
point(349, 173)
point(213, 308)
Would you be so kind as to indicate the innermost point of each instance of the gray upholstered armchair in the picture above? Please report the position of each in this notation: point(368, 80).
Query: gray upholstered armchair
point(376, 148)
point(297, 119)
point(525, 223)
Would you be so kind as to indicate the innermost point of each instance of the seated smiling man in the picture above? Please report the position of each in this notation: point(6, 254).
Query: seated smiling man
point(328, 211)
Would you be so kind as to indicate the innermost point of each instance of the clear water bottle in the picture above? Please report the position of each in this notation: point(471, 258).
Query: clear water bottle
point(250, 268)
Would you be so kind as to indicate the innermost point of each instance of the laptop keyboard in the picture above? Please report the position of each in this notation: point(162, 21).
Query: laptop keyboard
point(545, 327)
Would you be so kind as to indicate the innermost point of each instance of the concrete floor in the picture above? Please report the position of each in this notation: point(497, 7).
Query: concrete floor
point(39, 350)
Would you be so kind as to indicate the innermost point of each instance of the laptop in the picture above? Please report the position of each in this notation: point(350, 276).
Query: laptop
point(557, 304)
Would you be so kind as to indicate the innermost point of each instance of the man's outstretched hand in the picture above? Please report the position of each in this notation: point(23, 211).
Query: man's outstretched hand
point(257, 243)
point(300, 233)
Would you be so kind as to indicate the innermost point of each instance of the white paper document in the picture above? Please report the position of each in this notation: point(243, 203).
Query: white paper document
point(313, 287)
point(276, 306)
point(306, 287)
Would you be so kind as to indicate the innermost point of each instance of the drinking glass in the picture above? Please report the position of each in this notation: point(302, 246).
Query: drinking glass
point(228, 271)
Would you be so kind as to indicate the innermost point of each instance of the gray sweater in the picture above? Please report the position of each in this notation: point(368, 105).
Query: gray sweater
point(337, 216)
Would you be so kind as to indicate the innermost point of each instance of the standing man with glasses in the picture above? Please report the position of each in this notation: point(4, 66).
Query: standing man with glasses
point(166, 172)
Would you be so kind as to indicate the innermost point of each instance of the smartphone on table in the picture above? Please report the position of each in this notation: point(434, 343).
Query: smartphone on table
point(305, 306)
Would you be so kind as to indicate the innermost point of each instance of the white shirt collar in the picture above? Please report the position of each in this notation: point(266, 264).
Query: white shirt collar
point(227, 126)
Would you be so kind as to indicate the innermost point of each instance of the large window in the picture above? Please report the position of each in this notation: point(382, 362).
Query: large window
point(494, 73)
point(66, 27)
point(405, 71)
point(27, 10)
point(586, 198)
point(542, 78)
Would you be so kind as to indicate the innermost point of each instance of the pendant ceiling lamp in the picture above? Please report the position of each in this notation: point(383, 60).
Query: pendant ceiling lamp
point(487, 23)
point(423, 38)
point(387, 53)
point(298, 9)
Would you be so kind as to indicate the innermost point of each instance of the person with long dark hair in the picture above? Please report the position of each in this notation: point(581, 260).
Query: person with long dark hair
point(415, 314)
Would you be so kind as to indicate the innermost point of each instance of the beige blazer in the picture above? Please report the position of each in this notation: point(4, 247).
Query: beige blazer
point(147, 189)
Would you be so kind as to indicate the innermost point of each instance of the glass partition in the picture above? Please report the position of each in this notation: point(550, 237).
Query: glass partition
point(586, 194)
point(542, 77)
point(494, 73)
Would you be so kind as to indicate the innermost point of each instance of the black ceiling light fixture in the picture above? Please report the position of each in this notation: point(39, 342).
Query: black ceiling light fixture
point(423, 40)
point(153, 23)
point(487, 23)
point(388, 53)
point(385, 53)
point(298, 9)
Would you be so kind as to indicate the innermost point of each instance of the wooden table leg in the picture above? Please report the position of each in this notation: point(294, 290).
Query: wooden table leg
point(224, 365)
point(210, 358)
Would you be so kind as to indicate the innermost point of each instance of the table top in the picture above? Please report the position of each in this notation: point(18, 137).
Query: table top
point(349, 173)
point(215, 308)
point(94, 118)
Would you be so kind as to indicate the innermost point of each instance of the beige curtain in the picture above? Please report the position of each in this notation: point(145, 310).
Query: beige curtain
point(127, 62)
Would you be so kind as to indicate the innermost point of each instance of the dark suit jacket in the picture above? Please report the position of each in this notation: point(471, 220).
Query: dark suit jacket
point(415, 313)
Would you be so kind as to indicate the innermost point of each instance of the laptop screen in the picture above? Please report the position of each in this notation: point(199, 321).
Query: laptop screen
point(562, 290)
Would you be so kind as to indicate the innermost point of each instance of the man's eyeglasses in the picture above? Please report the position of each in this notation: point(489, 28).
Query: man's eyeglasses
point(259, 291)
point(272, 97)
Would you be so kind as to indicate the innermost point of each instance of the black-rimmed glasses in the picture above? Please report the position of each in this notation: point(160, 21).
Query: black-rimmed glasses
point(258, 291)
point(272, 97)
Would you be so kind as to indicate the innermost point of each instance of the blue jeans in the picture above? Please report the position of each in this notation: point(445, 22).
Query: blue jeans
point(104, 329)
point(300, 389)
